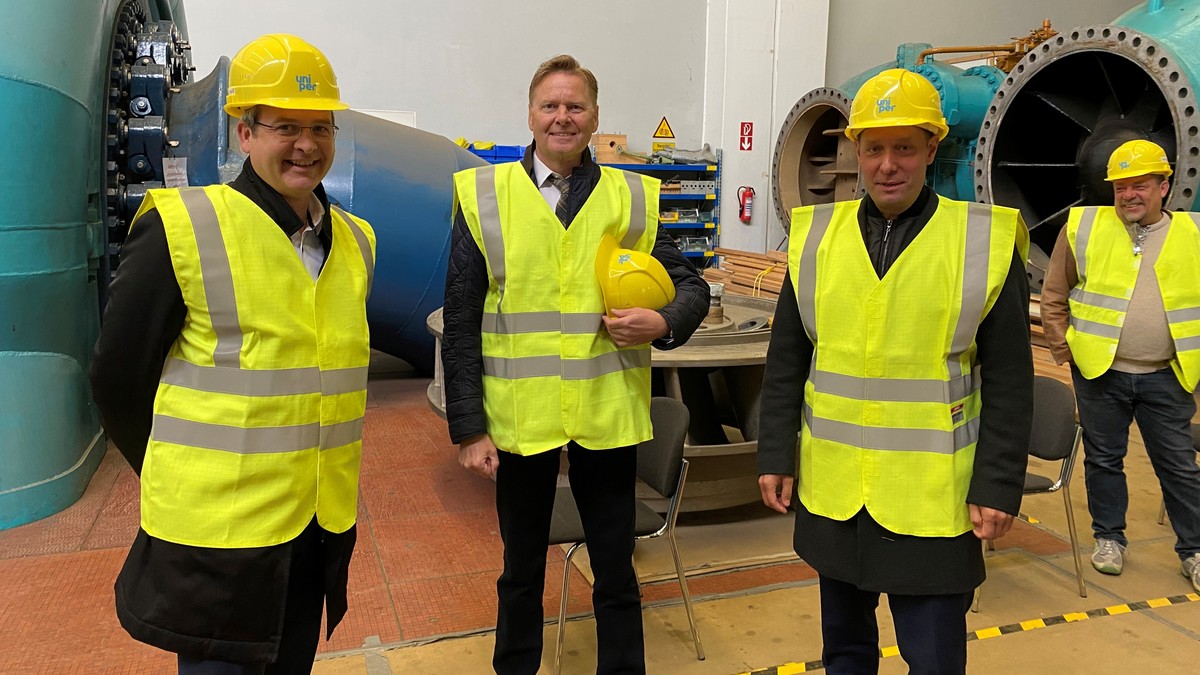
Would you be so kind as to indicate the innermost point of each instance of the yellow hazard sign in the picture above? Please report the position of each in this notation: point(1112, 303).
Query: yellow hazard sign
point(661, 145)
point(664, 130)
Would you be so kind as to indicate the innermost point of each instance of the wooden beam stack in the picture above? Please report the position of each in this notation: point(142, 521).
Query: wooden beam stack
point(748, 273)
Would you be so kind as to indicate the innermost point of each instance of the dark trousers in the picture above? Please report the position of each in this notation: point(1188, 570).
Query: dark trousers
point(931, 630)
point(1163, 410)
point(602, 482)
point(301, 620)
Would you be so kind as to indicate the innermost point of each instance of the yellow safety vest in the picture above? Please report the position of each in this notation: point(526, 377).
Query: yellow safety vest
point(259, 411)
point(891, 404)
point(551, 373)
point(1108, 270)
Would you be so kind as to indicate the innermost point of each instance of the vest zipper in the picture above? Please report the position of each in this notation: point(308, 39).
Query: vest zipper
point(883, 248)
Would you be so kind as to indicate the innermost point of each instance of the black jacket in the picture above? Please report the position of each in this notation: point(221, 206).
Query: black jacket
point(202, 602)
point(466, 287)
point(859, 550)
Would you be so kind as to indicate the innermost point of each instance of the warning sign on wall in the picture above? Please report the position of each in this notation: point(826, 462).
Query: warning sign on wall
point(746, 134)
point(664, 130)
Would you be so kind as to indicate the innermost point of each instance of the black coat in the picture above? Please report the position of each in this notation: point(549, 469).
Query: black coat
point(222, 604)
point(466, 287)
point(859, 550)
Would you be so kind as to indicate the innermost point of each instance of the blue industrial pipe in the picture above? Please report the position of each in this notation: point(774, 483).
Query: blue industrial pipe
point(53, 81)
point(396, 177)
point(966, 95)
point(58, 191)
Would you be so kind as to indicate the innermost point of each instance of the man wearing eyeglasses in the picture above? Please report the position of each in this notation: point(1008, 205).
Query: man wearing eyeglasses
point(1121, 304)
point(231, 372)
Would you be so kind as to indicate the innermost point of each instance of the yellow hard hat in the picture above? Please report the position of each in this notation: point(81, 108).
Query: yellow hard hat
point(897, 98)
point(630, 278)
point(282, 71)
point(1137, 158)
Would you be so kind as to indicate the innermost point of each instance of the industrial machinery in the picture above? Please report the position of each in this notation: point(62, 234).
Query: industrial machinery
point(88, 134)
point(814, 162)
point(1071, 101)
point(1033, 133)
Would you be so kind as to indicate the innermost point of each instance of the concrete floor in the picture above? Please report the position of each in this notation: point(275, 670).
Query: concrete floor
point(423, 596)
point(1031, 618)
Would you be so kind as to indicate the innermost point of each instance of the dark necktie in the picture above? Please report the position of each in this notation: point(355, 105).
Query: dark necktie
point(564, 187)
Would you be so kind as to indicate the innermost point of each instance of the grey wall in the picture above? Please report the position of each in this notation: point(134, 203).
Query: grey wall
point(865, 33)
point(463, 66)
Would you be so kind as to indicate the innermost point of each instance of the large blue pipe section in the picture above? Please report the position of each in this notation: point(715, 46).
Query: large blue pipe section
point(54, 81)
point(396, 177)
point(966, 95)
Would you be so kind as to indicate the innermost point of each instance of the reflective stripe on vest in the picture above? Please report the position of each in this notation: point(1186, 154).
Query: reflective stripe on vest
point(251, 437)
point(896, 394)
point(1098, 304)
point(551, 372)
point(489, 225)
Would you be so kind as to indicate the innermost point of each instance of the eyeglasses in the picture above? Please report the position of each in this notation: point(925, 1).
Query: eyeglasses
point(320, 130)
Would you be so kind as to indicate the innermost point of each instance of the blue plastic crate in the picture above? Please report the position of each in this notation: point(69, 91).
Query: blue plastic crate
point(498, 154)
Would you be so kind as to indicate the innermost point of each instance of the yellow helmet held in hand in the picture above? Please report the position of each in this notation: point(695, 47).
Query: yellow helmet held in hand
point(897, 98)
point(1137, 158)
point(282, 71)
point(630, 278)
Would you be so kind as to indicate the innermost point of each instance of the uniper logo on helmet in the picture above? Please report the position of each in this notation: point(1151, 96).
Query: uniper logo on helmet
point(897, 98)
point(630, 278)
point(1135, 158)
point(282, 71)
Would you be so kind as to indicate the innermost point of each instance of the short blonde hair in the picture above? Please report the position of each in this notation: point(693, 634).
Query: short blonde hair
point(565, 63)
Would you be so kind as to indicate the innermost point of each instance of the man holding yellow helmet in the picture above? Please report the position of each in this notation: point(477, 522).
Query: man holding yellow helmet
point(1121, 304)
point(540, 354)
point(231, 372)
point(900, 355)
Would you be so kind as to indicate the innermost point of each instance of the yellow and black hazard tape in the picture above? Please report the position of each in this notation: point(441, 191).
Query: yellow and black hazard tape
point(997, 631)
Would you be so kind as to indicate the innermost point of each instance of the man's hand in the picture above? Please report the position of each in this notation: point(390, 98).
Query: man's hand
point(478, 454)
point(988, 523)
point(776, 490)
point(635, 326)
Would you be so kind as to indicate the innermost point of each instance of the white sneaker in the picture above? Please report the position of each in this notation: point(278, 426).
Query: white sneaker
point(1190, 567)
point(1108, 557)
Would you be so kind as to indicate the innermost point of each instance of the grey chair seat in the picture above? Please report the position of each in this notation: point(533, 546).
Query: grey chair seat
point(1036, 483)
point(566, 526)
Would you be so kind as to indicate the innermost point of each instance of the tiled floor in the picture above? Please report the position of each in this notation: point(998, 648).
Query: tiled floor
point(425, 567)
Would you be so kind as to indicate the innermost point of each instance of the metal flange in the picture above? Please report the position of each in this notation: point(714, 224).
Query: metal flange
point(814, 162)
point(1067, 105)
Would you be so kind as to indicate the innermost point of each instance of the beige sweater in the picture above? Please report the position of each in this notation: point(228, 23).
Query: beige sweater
point(1145, 345)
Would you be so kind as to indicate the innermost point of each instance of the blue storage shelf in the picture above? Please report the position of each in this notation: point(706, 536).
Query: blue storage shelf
point(644, 168)
point(685, 232)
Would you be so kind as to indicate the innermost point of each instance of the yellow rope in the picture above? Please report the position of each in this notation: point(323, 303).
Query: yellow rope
point(757, 292)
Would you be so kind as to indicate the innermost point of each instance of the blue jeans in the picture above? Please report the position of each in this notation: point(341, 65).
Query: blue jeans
point(1163, 410)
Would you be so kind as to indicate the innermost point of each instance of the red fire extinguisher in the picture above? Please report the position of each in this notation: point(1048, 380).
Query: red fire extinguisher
point(745, 195)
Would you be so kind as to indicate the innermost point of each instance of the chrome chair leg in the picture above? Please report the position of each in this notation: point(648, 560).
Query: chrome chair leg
point(687, 597)
point(1066, 492)
point(979, 588)
point(562, 608)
